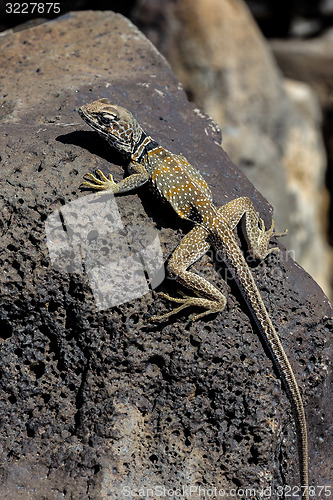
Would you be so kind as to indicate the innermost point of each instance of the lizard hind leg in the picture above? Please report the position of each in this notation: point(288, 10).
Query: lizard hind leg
point(207, 296)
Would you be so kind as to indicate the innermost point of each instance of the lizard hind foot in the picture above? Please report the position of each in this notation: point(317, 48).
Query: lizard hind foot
point(260, 244)
point(188, 301)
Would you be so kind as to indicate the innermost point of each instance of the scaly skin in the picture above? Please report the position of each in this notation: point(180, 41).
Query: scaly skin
point(179, 183)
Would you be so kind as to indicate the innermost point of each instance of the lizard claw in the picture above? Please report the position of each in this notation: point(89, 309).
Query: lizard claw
point(260, 244)
point(101, 182)
point(187, 301)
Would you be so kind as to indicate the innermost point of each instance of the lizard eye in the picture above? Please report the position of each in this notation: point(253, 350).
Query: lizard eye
point(106, 119)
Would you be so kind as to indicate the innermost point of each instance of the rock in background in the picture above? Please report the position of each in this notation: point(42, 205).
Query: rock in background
point(311, 61)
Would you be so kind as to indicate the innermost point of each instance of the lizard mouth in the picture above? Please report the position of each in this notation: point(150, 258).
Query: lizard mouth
point(87, 118)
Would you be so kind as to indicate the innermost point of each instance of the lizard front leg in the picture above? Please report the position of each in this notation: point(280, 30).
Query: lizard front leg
point(138, 177)
point(192, 247)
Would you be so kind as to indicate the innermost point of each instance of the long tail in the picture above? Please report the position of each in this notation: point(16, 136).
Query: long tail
point(244, 279)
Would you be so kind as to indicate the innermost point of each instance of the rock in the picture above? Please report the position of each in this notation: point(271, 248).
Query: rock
point(205, 41)
point(282, 19)
point(305, 162)
point(309, 61)
point(96, 401)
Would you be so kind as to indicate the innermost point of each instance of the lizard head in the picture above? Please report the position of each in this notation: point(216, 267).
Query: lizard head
point(117, 125)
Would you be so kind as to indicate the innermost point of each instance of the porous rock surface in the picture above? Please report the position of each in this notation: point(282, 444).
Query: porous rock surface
point(94, 402)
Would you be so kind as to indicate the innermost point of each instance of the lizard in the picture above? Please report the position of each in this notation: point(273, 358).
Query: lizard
point(183, 187)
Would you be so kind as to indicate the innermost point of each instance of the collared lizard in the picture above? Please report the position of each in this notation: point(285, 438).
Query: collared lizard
point(180, 184)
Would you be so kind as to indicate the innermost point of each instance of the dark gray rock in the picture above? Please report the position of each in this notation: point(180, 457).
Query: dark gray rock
point(93, 401)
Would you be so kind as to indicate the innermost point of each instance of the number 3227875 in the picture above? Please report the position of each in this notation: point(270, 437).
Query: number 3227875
point(32, 8)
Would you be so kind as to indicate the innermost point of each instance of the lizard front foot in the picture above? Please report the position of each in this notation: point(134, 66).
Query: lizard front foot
point(188, 301)
point(103, 183)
